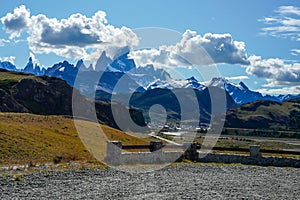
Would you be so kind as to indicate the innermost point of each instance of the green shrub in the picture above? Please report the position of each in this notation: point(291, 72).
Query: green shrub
point(18, 178)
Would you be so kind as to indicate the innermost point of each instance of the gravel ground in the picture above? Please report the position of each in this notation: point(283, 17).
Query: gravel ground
point(179, 182)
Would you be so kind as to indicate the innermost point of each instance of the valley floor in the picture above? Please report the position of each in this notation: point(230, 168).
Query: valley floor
point(182, 181)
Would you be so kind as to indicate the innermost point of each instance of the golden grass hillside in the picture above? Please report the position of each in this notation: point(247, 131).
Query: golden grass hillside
point(28, 138)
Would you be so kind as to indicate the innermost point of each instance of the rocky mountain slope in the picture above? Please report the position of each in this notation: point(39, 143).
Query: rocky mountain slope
point(167, 98)
point(44, 95)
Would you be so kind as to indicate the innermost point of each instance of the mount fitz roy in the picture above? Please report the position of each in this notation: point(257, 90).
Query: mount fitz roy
point(137, 79)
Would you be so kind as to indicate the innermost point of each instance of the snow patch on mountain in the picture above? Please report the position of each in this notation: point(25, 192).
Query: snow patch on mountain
point(172, 84)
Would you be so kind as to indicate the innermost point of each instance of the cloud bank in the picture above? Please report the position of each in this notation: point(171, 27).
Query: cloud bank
point(237, 78)
point(280, 91)
point(73, 37)
point(16, 22)
point(84, 37)
point(194, 49)
point(285, 24)
point(276, 71)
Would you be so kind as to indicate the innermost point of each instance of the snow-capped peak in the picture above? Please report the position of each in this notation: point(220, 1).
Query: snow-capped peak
point(164, 85)
point(225, 84)
point(217, 82)
point(171, 84)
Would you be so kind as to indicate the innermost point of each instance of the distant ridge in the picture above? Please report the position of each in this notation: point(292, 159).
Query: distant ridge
point(263, 114)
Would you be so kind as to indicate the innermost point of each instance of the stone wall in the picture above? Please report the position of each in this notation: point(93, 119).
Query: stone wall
point(248, 160)
point(150, 157)
point(254, 158)
point(115, 156)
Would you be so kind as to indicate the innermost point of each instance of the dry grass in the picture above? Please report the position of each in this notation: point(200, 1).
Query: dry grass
point(15, 76)
point(30, 139)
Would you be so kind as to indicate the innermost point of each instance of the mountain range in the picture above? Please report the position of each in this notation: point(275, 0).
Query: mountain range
point(188, 107)
point(48, 94)
point(135, 79)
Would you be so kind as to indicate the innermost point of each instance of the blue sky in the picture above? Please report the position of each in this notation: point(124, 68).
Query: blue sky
point(270, 31)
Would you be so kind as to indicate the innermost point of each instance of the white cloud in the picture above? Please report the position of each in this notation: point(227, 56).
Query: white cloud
point(233, 78)
point(289, 10)
point(294, 90)
point(3, 41)
point(295, 52)
point(10, 59)
point(75, 37)
point(274, 70)
point(285, 24)
point(196, 50)
point(16, 22)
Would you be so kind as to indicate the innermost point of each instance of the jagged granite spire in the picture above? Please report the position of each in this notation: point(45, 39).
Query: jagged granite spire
point(29, 68)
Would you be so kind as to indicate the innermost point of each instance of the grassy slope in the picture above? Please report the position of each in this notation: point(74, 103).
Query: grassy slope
point(26, 138)
point(279, 116)
point(264, 110)
point(9, 79)
point(15, 76)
